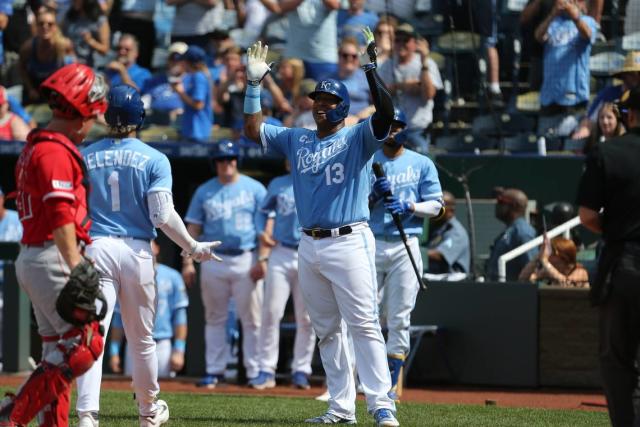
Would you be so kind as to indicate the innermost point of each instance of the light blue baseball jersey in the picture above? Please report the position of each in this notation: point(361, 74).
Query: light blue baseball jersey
point(280, 199)
point(330, 175)
point(172, 296)
point(230, 213)
point(123, 172)
point(413, 178)
point(10, 231)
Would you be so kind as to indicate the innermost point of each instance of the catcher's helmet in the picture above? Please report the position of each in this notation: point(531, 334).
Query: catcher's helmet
point(225, 149)
point(336, 88)
point(75, 89)
point(125, 107)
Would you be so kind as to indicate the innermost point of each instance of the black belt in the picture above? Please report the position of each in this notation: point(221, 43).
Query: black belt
point(289, 245)
point(321, 233)
point(230, 252)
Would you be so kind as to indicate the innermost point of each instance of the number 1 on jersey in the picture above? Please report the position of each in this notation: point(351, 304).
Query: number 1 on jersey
point(114, 183)
point(334, 173)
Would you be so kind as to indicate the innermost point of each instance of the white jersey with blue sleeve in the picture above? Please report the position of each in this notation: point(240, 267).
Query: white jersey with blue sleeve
point(172, 295)
point(123, 172)
point(413, 178)
point(228, 212)
point(330, 175)
point(280, 199)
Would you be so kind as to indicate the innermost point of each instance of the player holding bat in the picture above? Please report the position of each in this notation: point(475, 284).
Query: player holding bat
point(410, 191)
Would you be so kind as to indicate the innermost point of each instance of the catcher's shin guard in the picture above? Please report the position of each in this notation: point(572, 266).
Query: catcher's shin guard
point(396, 367)
point(48, 387)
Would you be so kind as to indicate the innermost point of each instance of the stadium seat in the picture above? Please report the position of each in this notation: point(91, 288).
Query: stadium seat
point(575, 145)
point(528, 102)
point(159, 134)
point(604, 64)
point(466, 143)
point(521, 143)
point(517, 123)
point(458, 42)
point(631, 41)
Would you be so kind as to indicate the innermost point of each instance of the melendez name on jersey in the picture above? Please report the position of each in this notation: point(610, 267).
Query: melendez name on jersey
point(414, 178)
point(330, 175)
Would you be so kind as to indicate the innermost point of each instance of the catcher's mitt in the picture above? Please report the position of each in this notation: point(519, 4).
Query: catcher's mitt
point(76, 303)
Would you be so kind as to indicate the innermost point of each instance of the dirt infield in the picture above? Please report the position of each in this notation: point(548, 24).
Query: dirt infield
point(551, 399)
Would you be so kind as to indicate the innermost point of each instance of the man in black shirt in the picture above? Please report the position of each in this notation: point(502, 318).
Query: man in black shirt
point(609, 200)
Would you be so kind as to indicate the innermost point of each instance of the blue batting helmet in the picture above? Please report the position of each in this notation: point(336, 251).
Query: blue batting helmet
point(225, 149)
point(125, 107)
point(336, 88)
point(400, 117)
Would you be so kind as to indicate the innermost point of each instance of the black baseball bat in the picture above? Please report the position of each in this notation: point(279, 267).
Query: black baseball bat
point(379, 173)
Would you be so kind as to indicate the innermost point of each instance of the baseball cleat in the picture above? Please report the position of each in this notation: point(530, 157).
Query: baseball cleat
point(330, 418)
point(160, 417)
point(88, 419)
point(210, 381)
point(384, 417)
point(300, 380)
point(324, 397)
point(263, 381)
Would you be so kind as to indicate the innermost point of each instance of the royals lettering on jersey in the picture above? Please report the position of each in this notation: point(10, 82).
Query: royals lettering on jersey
point(330, 175)
point(123, 172)
point(230, 213)
point(414, 178)
point(280, 199)
point(172, 296)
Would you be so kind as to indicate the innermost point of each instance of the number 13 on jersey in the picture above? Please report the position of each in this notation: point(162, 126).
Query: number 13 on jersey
point(334, 173)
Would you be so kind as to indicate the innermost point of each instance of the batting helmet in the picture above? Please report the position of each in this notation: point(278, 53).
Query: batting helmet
point(336, 88)
point(125, 107)
point(75, 89)
point(225, 149)
point(400, 117)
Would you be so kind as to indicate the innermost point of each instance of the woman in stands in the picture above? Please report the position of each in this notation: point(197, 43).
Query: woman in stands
point(12, 127)
point(41, 55)
point(88, 29)
point(556, 265)
point(609, 125)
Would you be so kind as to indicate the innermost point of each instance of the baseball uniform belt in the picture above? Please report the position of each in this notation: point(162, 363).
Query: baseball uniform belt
point(230, 252)
point(321, 233)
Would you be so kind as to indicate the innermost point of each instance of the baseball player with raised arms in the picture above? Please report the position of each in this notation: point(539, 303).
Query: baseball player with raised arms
point(228, 207)
point(131, 197)
point(413, 182)
point(330, 169)
point(282, 280)
point(170, 327)
point(61, 283)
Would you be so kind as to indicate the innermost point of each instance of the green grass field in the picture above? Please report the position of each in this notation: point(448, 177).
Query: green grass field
point(118, 409)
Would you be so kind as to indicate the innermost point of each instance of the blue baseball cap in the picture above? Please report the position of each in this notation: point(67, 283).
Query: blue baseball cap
point(194, 54)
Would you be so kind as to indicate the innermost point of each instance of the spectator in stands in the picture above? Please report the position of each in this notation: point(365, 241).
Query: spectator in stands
point(402, 9)
point(556, 265)
point(170, 327)
point(137, 20)
point(385, 36)
point(12, 127)
point(158, 93)
point(609, 125)
point(413, 79)
point(352, 20)
point(88, 29)
point(352, 76)
point(565, 86)
point(286, 86)
point(448, 243)
point(249, 31)
point(195, 92)
point(125, 70)
point(6, 10)
point(630, 76)
point(17, 108)
point(43, 54)
point(511, 205)
point(313, 26)
point(195, 20)
point(229, 92)
point(302, 116)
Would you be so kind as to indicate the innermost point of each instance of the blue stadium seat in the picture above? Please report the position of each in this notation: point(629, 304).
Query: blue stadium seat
point(576, 145)
point(521, 143)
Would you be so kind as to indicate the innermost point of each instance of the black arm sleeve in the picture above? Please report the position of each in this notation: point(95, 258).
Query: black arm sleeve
point(382, 118)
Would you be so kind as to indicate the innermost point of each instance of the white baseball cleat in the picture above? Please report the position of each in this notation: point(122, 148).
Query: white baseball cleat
point(161, 416)
point(88, 419)
point(324, 397)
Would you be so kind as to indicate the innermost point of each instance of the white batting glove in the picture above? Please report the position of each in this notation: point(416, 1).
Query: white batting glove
point(368, 56)
point(203, 251)
point(257, 66)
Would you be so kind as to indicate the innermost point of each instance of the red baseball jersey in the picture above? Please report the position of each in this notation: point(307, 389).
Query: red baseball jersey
point(49, 167)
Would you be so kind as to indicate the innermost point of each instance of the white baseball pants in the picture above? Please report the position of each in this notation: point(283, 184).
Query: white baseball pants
point(126, 271)
point(282, 280)
point(399, 286)
point(163, 352)
point(219, 281)
point(338, 282)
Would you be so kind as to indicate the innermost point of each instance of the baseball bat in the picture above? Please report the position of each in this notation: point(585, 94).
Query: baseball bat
point(379, 173)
